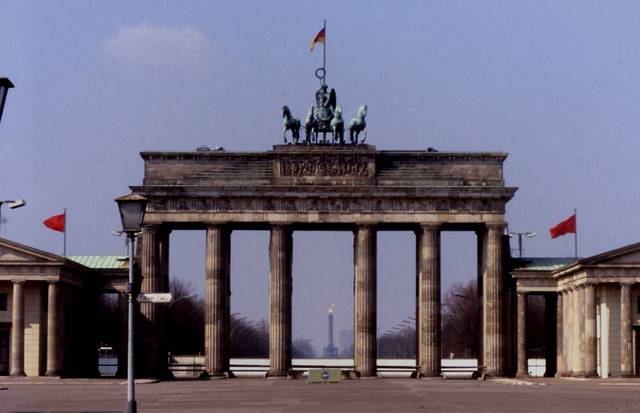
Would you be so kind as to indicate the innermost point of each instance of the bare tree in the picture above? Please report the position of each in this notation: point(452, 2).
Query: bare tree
point(398, 343)
point(461, 321)
point(302, 348)
point(185, 320)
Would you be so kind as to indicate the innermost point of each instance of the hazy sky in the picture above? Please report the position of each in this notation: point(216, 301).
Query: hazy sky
point(556, 84)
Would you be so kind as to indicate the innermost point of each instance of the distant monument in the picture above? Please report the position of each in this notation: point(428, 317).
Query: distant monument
point(331, 350)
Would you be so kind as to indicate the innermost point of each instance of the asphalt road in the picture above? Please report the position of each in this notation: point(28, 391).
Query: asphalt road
point(365, 395)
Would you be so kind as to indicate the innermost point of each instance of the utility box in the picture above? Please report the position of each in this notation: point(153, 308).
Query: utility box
point(325, 375)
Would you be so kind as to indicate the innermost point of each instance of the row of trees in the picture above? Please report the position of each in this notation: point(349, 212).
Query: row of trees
point(185, 321)
point(461, 327)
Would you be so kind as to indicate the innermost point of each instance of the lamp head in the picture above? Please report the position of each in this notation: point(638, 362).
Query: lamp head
point(132, 208)
point(17, 203)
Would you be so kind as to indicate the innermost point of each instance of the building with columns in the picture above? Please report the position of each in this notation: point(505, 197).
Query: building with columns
point(592, 312)
point(354, 188)
point(48, 306)
point(48, 302)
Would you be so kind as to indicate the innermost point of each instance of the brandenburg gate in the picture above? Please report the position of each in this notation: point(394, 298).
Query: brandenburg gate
point(323, 186)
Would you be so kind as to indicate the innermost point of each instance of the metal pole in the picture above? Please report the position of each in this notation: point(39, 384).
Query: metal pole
point(131, 394)
point(324, 53)
point(64, 247)
point(520, 244)
point(575, 234)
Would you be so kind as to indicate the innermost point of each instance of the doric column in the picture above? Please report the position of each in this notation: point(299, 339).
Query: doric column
point(590, 338)
point(17, 329)
point(560, 360)
point(280, 286)
point(54, 316)
point(626, 349)
point(216, 301)
point(154, 357)
point(578, 303)
point(523, 368)
point(428, 282)
point(567, 345)
point(493, 328)
point(365, 349)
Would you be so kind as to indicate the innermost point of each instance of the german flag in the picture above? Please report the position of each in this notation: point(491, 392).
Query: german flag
point(318, 38)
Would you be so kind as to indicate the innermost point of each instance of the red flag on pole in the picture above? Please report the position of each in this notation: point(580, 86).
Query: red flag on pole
point(568, 226)
point(55, 222)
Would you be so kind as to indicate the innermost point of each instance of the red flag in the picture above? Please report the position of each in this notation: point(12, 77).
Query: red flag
point(55, 222)
point(568, 226)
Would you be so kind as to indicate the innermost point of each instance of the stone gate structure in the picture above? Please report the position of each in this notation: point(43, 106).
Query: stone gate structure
point(352, 188)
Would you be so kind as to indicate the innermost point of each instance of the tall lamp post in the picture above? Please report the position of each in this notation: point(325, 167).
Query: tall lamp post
point(16, 203)
point(5, 85)
point(132, 208)
point(519, 235)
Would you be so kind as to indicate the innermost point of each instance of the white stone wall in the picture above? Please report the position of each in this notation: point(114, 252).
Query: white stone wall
point(34, 330)
point(7, 288)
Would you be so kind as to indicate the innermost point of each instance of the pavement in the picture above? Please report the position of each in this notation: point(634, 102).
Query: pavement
point(377, 395)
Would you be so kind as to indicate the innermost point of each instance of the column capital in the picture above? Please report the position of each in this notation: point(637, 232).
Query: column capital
point(496, 227)
point(520, 292)
point(627, 284)
point(430, 226)
point(54, 282)
point(18, 281)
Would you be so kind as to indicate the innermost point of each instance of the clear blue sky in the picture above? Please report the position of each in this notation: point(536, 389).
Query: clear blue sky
point(555, 84)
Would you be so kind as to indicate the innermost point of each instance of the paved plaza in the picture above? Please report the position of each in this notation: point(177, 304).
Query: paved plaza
point(365, 395)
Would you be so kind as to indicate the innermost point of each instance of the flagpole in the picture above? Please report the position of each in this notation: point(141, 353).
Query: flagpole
point(324, 53)
point(575, 234)
point(65, 234)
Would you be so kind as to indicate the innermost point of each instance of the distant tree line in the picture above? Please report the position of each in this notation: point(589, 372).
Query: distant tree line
point(184, 327)
point(460, 318)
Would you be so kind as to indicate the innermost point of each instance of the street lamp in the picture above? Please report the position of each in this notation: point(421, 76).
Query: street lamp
point(132, 209)
point(5, 85)
point(17, 203)
point(519, 235)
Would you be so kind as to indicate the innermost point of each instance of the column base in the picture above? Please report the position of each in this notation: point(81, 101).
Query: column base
point(218, 375)
point(578, 374)
point(627, 376)
point(52, 373)
point(17, 374)
point(418, 374)
point(522, 375)
point(365, 374)
point(276, 374)
point(591, 375)
point(279, 375)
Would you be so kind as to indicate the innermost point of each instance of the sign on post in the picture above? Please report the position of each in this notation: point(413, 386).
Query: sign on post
point(155, 298)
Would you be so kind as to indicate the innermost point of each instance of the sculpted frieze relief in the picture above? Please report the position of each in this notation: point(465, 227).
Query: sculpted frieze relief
point(355, 166)
point(317, 204)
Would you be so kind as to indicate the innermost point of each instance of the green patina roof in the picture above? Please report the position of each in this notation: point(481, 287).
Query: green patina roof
point(101, 261)
point(542, 263)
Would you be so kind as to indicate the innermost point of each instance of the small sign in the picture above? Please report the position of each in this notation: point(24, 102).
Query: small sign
point(155, 298)
point(325, 375)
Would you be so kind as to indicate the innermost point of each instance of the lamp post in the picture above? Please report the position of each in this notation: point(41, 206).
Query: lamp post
point(16, 203)
point(132, 208)
point(519, 235)
point(5, 85)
